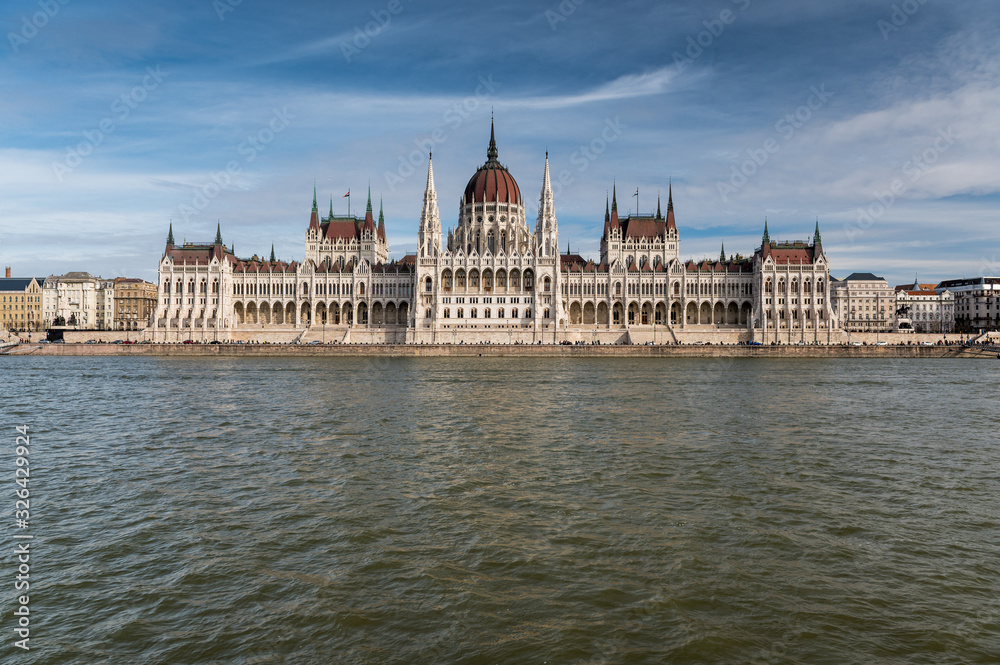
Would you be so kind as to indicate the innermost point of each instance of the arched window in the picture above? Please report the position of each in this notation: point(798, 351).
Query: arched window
point(500, 313)
point(486, 313)
point(547, 285)
point(427, 313)
point(361, 288)
point(447, 313)
point(618, 288)
point(461, 313)
point(473, 313)
point(491, 242)
point(428, 285)
point(503, 242)
point(546, 313)
point(513, 313)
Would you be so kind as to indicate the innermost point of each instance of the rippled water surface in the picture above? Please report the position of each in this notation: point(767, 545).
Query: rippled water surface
point(332, 510)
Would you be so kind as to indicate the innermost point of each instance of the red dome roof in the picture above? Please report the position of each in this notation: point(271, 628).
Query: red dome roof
point(492, 183)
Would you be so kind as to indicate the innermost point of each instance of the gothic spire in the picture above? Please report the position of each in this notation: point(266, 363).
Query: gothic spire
point(218, 233)
point(170, 235)
point(659, 215)
point(331, 207)
point(816, 237)
point(722, 255)
point(545, 230)
point(315, 207)
point(766, 240)
point(430, 219)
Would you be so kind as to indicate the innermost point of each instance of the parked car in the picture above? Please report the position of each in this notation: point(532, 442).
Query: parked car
point(882, 343)
point(188, 341)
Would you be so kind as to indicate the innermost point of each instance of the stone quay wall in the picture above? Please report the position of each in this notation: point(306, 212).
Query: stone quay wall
point(503, 350)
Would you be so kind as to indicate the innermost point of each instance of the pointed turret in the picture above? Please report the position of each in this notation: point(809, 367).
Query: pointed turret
point(614, 207)
point(170, 236)
point(607, 216)
point(331, 207)
point(766, 240)
point(817, 240)
point(659, 215)
point(722, 255)
point(273, 260)
point(314, 217)
point(369, 215)
point(381, 222)
point(671, 222)
point(218, 234)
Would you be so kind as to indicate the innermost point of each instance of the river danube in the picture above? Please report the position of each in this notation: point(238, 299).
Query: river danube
point(506, 511)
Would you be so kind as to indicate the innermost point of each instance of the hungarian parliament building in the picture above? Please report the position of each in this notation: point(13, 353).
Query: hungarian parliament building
point(492, 279)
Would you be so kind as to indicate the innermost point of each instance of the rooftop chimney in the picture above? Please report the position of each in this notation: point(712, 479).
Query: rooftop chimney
point(8, 272)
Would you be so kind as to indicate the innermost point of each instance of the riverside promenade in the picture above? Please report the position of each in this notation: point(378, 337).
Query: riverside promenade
point(506, 350)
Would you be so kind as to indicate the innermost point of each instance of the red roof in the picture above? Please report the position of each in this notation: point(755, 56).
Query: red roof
point(644, 227)
point(342, 228)
point(199, 254)
point(789, 254)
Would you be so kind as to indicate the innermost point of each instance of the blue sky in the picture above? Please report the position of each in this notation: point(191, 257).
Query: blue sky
point(877, 118)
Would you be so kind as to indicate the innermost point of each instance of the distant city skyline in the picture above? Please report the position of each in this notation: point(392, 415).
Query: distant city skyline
point(876, 118)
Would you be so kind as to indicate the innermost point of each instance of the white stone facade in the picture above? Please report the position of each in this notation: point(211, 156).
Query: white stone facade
point(492, 278)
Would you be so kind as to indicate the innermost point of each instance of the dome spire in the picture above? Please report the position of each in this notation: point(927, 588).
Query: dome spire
point(492, 153)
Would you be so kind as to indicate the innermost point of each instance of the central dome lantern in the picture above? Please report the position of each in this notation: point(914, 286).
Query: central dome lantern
point(492, 183)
